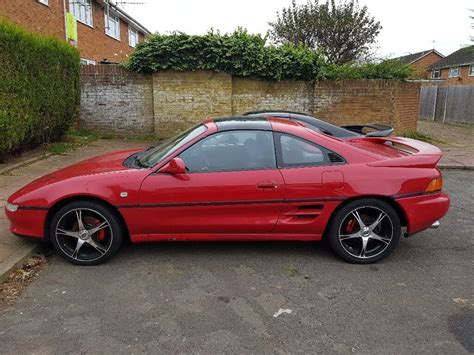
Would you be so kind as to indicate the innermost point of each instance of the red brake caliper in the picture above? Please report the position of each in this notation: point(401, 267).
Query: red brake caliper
point(94, 222)
point(350, 226)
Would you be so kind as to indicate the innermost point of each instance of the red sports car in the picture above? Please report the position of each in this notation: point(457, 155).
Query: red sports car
point(249, 178)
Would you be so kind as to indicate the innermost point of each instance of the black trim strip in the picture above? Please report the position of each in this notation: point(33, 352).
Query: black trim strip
point(321, 199)
point(414, 194)
point(230, 203)
point(33, 208)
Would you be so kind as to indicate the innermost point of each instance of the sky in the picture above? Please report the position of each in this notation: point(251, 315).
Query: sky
point(409, 26)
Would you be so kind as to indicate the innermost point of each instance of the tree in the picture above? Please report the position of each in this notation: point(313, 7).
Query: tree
point(344, 32)
point(472, 23)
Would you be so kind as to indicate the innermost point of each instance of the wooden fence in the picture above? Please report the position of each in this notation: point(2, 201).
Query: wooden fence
point(447, 103)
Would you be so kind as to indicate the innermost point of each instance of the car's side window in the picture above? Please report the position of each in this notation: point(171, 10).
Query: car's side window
point(294, 152)
point(231, 151)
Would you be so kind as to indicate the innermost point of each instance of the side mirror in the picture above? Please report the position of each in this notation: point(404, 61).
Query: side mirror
point(174, 166)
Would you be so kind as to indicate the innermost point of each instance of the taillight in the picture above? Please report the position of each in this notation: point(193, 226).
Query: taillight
point(435, 185)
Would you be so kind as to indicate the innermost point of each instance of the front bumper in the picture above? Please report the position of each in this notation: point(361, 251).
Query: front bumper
point(423, 211)
point(28, 222)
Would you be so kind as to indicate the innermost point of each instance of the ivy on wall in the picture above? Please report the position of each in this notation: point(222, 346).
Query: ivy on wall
point(239, 53)
point(249, 55)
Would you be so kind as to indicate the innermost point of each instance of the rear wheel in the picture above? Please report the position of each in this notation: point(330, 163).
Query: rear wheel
point(365, 231)
point(86, 233)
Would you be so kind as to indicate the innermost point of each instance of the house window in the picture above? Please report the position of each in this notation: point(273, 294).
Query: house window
point(85, 61)
point(45, 2)
point(82, 10)
point(471, 70)
point(132, 37)
point(454, 72)
point(435, 74)
point(112, 26)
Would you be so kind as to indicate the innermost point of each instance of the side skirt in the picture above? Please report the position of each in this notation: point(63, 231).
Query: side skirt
point(141, 238)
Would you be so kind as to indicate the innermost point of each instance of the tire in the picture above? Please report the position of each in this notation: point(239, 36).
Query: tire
point(369, 242)
point(99, 237)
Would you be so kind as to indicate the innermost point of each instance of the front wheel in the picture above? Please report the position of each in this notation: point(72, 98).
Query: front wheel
point(85, 232)
point(365, 231)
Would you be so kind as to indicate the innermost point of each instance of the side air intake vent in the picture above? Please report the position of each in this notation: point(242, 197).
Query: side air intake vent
point(335, 158)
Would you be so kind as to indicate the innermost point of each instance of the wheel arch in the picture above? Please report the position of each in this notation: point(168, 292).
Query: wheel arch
point(396, 206)
point(59, 204)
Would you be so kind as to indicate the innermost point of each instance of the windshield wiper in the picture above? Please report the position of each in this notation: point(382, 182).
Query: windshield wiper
point(139, 163)
point(150, 148)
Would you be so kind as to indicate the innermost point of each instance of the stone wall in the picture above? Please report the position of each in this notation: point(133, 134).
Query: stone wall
point(169, 101)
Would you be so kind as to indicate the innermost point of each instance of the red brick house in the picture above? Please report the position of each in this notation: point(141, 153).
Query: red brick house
point(456, 68)
point(104, 31)
point(421, 61)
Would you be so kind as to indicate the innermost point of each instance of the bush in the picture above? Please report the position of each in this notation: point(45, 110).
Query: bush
point(387, 69)
point(39, 88)
point(240, 54)
point(248, 55)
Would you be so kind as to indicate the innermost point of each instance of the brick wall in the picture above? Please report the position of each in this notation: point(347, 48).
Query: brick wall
point(368, 101)
point(184, 98)
point(115, 100)
point(254, 95)
point(169, 101)
point(406, 106)
point(48, 20)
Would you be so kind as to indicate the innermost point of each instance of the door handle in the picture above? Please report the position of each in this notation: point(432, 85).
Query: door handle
point(267, 185)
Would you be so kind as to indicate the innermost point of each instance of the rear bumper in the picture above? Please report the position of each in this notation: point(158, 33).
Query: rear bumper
point(27, 222)
point(424, 210)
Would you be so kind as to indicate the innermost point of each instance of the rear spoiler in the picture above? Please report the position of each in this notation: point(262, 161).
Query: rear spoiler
point(375, 130)
point(419, 154)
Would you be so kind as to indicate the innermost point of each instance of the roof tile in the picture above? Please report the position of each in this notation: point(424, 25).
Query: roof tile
point(463, 56)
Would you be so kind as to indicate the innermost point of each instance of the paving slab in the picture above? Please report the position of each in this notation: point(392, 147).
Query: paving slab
point(456, 141)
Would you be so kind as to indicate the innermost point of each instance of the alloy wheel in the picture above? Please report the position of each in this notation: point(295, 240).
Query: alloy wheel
point(83, 234)
point(366, 232)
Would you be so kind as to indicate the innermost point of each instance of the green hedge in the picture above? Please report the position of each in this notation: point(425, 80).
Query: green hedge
point(248, 55)
point(239, 53)
point(387, 69)
point(39, 88)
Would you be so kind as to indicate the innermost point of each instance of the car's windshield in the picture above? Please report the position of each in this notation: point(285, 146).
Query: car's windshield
point(156, 153)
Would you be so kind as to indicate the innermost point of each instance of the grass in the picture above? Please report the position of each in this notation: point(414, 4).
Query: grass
point(80, 135)
point(77, 137)
point(60, 148)
point(423, 137)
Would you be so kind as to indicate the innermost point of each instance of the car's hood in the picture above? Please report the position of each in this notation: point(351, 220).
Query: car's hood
point(100, 165)
point(105, 163)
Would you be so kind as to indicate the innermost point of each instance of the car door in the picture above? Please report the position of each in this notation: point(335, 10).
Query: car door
point(313, 185)
point(231, 186)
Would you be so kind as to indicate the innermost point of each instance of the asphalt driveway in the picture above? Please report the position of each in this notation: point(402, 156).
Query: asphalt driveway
point(225, 297)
